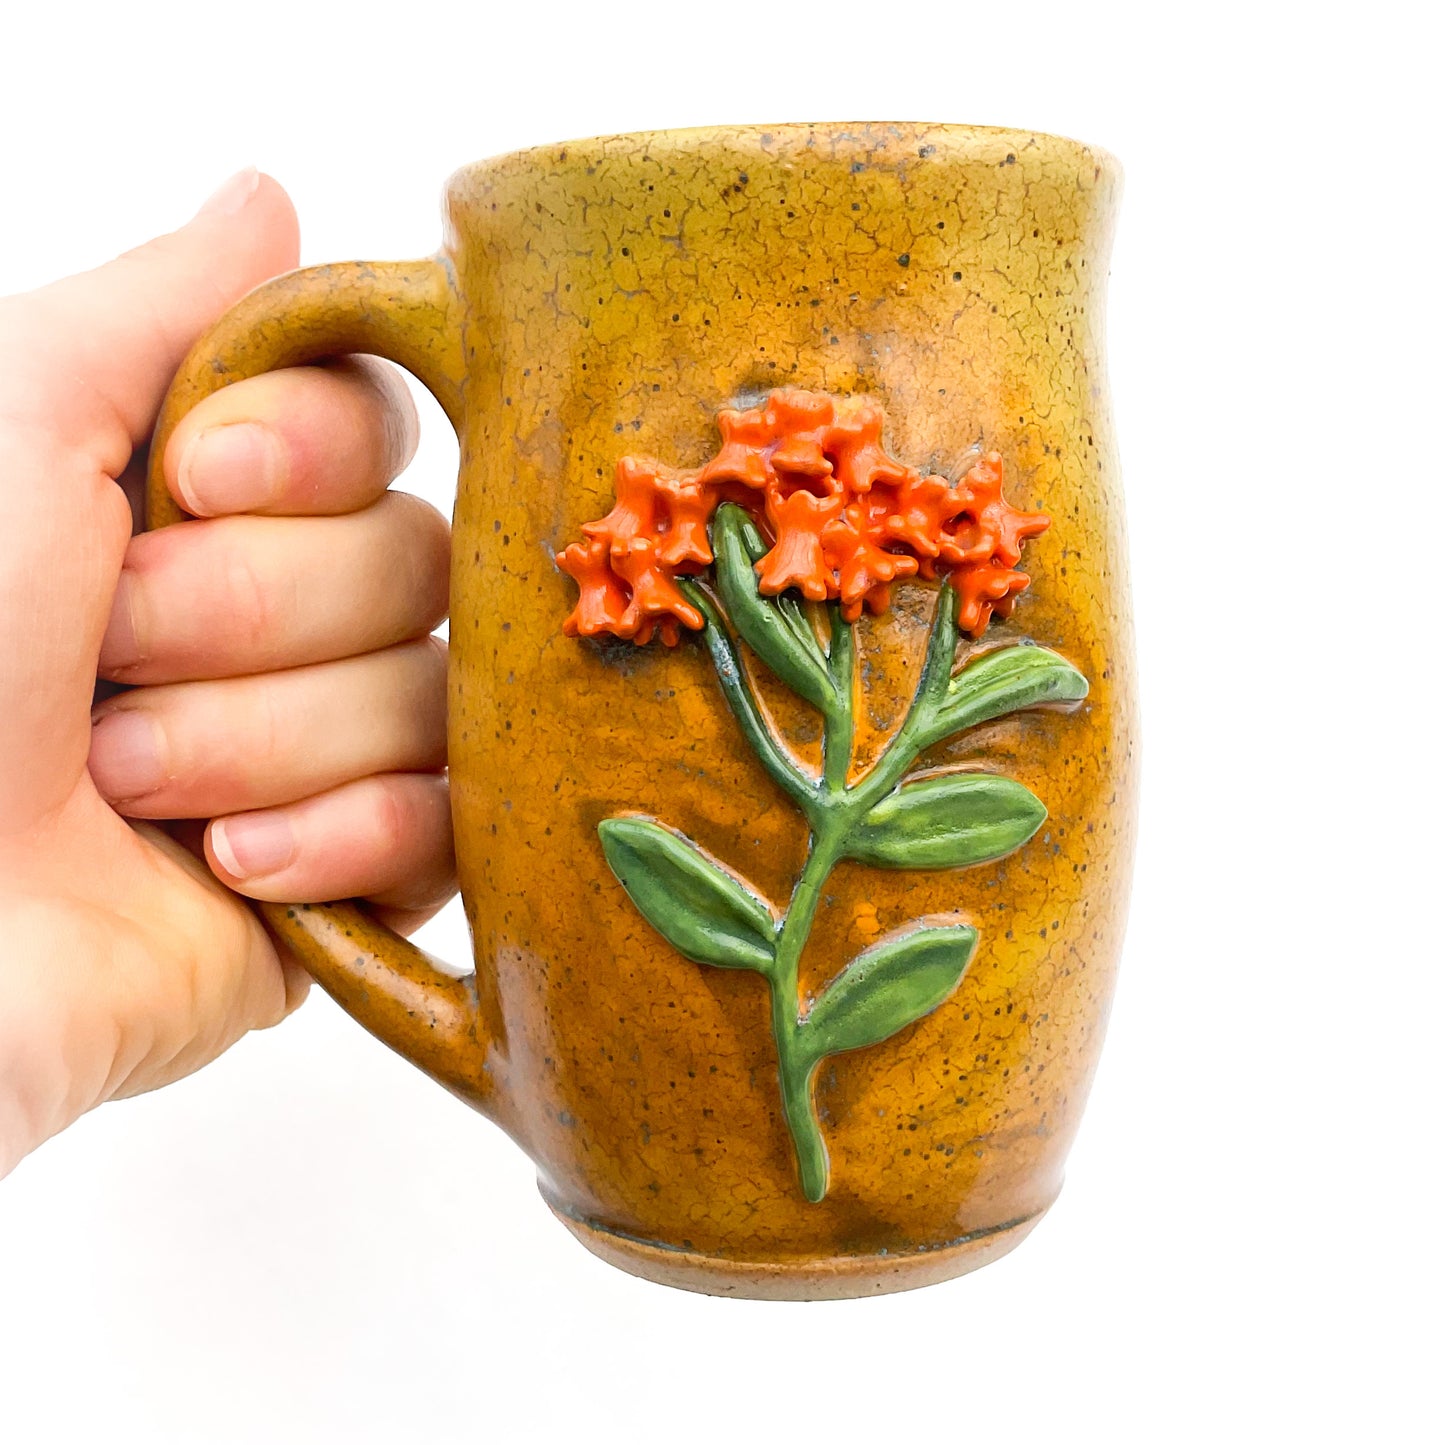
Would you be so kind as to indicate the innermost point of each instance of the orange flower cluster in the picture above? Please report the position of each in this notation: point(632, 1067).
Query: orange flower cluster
point(842, 518)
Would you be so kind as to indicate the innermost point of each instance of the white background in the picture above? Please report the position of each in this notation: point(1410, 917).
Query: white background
point(1247, 1247)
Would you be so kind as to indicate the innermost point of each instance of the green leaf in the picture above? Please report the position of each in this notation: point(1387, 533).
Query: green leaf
point(704, 913)
point(1001, 682)
point(886, 988)
point(774, 627)
point(953, 820)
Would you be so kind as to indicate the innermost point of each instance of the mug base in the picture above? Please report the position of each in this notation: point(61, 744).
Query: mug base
point(851, 1276)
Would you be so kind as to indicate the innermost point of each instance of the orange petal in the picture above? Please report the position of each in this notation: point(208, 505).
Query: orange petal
point(981, 590)
point(654, 593)
point(801, 456)
point(789, 411)
point(747, 428)
point(602, 600)
point(737, 462)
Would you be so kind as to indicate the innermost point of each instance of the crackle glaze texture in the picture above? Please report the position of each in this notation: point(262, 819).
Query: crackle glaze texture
point(609, 296)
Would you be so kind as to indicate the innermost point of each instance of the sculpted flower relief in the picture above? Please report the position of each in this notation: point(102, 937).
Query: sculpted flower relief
point(843, 521)
point(802, 500)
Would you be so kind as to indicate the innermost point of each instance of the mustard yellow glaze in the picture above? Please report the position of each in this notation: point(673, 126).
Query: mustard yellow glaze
point(613, 294)
point(620, 291)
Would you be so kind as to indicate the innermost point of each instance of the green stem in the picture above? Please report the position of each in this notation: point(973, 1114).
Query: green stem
point(915, 733)
point(839, 808)
point(832, 809)
point(744, 704)
point(838, 716)
point(802, 1122)
point(795, 1070)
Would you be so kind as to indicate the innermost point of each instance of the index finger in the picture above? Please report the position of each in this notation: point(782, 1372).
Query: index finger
point(308, 441)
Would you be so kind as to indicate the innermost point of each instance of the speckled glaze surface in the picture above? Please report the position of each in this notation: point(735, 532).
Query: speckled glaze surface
point(607, 297)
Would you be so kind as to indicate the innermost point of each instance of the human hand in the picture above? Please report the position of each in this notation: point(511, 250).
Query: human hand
point(282, 680)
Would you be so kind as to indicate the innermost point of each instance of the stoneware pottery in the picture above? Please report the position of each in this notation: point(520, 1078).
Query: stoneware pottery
point(791, 693)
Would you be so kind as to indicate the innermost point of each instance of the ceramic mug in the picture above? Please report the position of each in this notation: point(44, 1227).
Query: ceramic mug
point(791, 702)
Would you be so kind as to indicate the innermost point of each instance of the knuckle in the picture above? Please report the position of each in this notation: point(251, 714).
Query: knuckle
point(265, 728)
point(435, 659)
point(252, 607)
point(400, 425)
point(391, 415)
point(392, 820)
point(429, 537)
point(416, 513)
point(427, 721)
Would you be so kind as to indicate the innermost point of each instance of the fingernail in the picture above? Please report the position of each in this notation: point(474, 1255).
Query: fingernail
point(236, 468)
point(251, 845)
point(127, 755)
point(231, 196)
point(120, 647)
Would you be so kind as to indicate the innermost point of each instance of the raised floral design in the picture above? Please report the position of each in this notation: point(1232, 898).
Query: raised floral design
point(802, 500)
point(843, 520)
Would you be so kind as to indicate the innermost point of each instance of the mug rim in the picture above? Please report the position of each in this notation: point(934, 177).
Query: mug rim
point(689, 137)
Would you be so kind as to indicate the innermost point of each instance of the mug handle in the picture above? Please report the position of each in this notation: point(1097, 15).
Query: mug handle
point(408, 312)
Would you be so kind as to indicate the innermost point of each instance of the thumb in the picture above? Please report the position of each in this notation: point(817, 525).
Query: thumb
point(124, 328)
